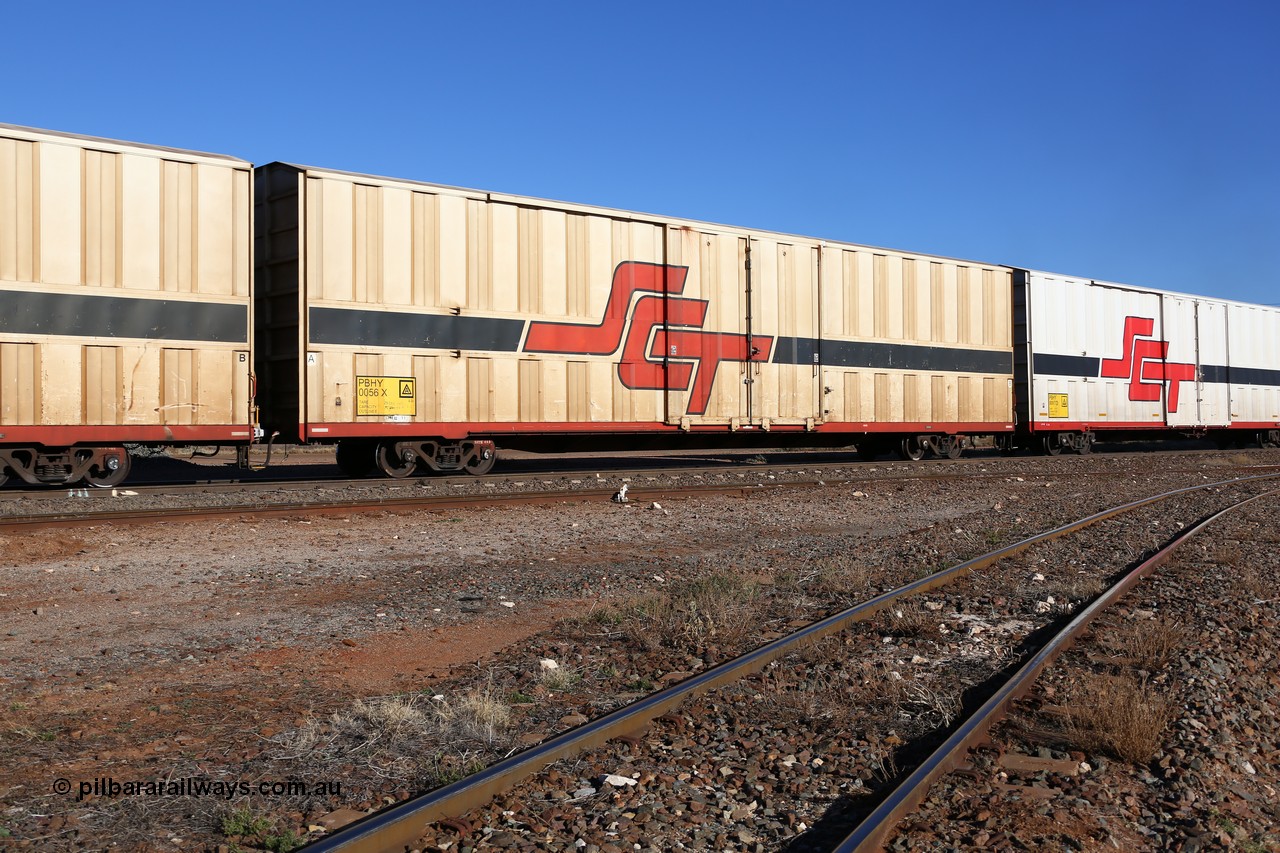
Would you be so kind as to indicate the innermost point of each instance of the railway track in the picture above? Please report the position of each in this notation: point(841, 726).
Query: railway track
point(175, 502)
point(401, 826)
point(378, 504)
point(612, 468)
point(870, 835)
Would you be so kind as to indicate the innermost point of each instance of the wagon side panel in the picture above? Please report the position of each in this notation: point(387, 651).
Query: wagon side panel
point(1097, 352)
point(913, 343)
point(1252, 375)
point(487, 314)
point(110, 254)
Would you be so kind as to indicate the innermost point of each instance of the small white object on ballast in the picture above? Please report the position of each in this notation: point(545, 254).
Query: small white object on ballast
point(620, 497)
point(547, 664)
point(619, 781)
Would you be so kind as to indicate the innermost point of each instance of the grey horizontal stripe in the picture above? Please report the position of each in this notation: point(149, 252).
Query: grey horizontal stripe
point(1065, 365)
point(1240, 375)
point(25, 312)
point(1081, 365)
point(353, 327)
point(891, 356)
point(1221, 373)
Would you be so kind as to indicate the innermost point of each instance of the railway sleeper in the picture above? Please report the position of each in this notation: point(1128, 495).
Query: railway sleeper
point(100, 467)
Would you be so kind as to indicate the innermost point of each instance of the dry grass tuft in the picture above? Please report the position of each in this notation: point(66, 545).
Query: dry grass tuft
point(909, 619)
point(1119, 716)
point(479, 714)
point(560, 678)
point(839, 579)
point(820, 652)
point(1151, 644)
point(1081, 587)
point(842, 577)
point(716, 608)
point(814, 682)
point(818, 696)
point(923, 701)
point(414, 738)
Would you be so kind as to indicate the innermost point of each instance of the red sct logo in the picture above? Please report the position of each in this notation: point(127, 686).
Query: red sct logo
point(660, 339)
point(1144, 365)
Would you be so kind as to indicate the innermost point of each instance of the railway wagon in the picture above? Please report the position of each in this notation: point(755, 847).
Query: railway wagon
point(1098, 359)
point(417, 325)
point(125, 303)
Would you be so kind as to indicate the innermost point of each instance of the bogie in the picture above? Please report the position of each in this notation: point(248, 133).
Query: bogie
point(396, 459)
point(108, 468)
point(1051, 442)
point(911, 448)
point(947, 446)
point(481, 457)
point(100, 467)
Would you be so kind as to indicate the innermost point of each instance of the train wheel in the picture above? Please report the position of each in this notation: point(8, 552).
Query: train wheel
point(355, 458)
point(1005, 444)
point(949, 446)
point(104, 476)
point(4, 475)
point(911, 448)
point(1084, 444)
point(1052, 443)
point(391, 459)
point(481, 461)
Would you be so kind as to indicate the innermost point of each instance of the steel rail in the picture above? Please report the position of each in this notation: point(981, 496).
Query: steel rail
point(83, 516)
point(661, 465)
point(408, 503)
point(388, 504)
point(856, 471)
point(872, 832)
point(398, 825)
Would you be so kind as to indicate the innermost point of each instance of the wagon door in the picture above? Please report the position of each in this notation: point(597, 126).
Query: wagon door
point(1211, 375)
point(1180, 369)
point(704, 341)
point(784, 322)
point(740, 341)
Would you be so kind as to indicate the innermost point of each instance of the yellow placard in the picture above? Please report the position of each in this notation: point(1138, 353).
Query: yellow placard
point(386, 395)
point(1057, 405)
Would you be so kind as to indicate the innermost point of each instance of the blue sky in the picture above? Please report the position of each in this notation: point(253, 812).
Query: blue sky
point(1128, 141)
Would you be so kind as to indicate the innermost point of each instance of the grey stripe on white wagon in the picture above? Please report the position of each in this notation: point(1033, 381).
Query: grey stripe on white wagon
point(26, 312)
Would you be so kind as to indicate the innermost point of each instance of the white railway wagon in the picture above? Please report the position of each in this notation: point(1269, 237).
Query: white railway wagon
point(419, 324)
point(125, 303)
point(1108, 357)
